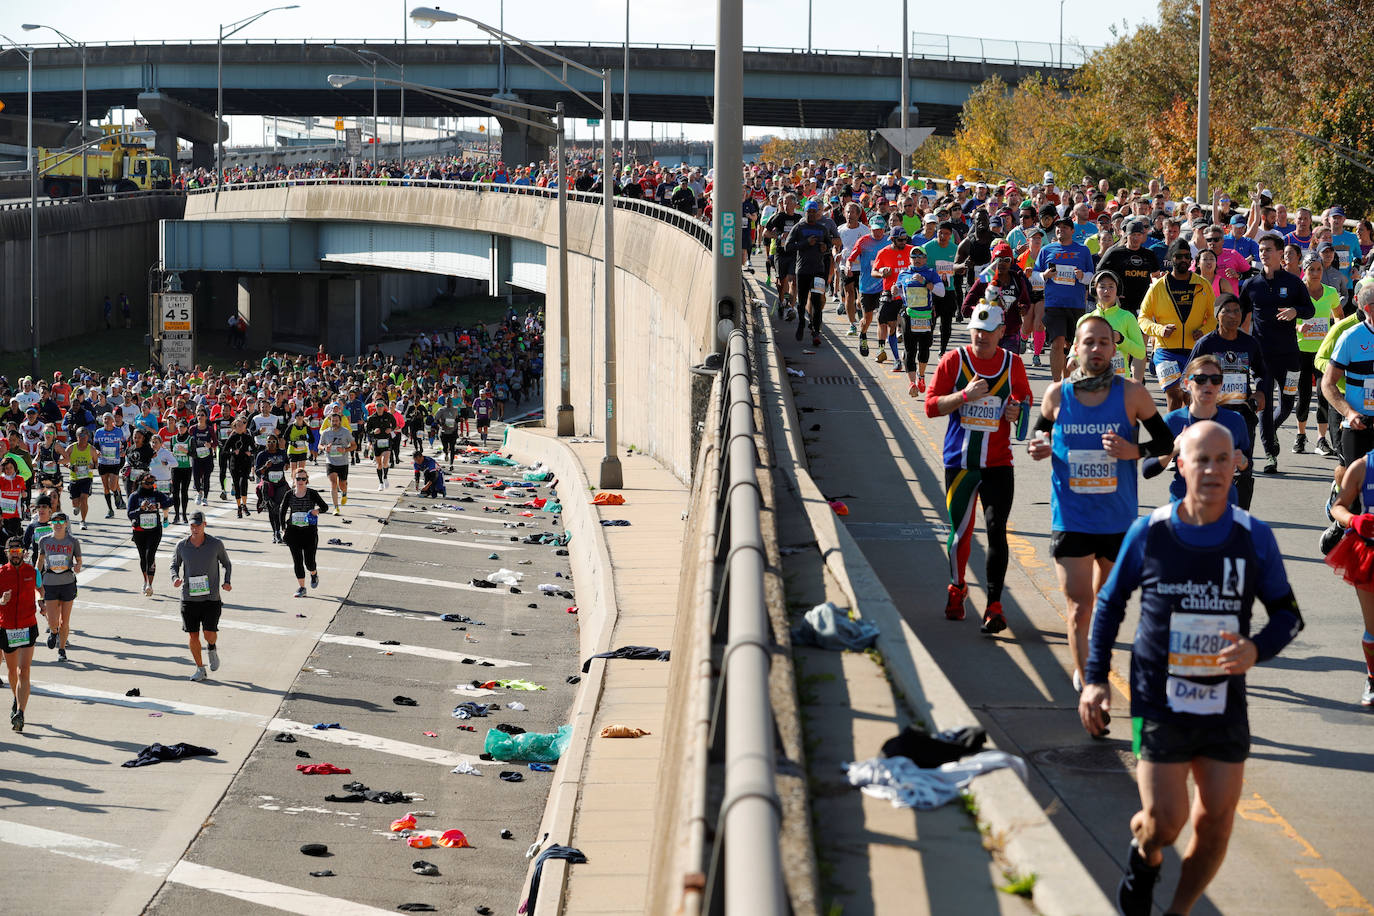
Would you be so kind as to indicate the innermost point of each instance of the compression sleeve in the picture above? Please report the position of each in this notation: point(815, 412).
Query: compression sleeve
point(1285, 620)
point(1161, 437)
point(1043, 424)
point(1151, 467)
point(1111, 602)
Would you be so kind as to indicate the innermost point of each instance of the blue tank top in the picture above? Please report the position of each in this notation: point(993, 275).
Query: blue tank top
point(1184, 588)
point(1367, 489)
point(1093, 492)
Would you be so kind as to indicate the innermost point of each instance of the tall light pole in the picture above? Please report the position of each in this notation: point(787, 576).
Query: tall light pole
point(565, 408)
point(371, 62)
point(29, 27)
point(808, 26)
point(625, 94)
point(1204, 92)
point(611, 476)
point(401, 70)
point(906, 89)
point(27, 54)
point(1061, 34)
point(728, 191)
point(226, 30)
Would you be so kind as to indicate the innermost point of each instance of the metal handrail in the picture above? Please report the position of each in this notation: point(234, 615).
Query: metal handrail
point(23, 204)
point(745, 870)
point(1045, 49)
point(696, 228)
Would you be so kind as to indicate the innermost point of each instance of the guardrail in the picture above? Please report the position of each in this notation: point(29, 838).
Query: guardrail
point(745, 871)
point(924, 46)
point(696, 228)
point(22, 203)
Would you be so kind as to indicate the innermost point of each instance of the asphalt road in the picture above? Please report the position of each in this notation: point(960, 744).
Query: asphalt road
point(222, 833)
point(1297, 845)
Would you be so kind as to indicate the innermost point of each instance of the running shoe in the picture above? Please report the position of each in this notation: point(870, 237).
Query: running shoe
point(109, 513)
point(1135, 893)
point(1300, 444)
point(1035, 360)
point(214, 658)
point(1367, 699)
point(300, 592)
point(853, 330)
point(863, 346)
point(1330, 538)
point(1324, 448)
point(199, 673)
point(839, 309)
point(223, 495)
point(1331, 500)
point(343, 499)
point(337, 511)
point(954, 603)
point(1271, 464)
point(920, 386)
point(815, 340)
point(84, 526)
point(993, 621)
point(882, 355)
point(897, 366)
point(314, 580)
point(914, 390)
point(52, 639)
point(17, 720)
point(61, 655)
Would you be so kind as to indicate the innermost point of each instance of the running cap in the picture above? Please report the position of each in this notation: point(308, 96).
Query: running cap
point(898, 232)
point(813, 205)
point(877, 222)
point(1003, 250)
point(1049, 178)
point(1238, 220)
point(197, 518)
point(1048, 210)
point(986, 318)
point(931, 218)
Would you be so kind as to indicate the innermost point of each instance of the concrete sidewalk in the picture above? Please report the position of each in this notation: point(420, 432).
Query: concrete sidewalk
point(604, 798)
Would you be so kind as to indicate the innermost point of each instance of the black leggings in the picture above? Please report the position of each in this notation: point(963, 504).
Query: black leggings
point(181, 485)
point(1307, 373)
point(147, 542)
point(449, 441)
point(223, 466)
point(238, 473)
point(915, 345)
point(805, 299)
point(302, 545)
point(201, 469)
point(963, 489)
point(944, 307)
point(1277, 405)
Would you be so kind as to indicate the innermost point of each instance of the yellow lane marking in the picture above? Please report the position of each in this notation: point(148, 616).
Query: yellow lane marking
point(1332, 889)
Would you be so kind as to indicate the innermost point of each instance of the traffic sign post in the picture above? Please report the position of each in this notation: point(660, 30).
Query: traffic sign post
point(176, 329)
point(906, 143)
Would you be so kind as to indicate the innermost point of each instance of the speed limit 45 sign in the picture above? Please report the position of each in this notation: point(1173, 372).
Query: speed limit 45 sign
point(175, 313)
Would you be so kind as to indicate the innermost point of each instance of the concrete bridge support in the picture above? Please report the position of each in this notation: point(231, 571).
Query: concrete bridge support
point(172, 118)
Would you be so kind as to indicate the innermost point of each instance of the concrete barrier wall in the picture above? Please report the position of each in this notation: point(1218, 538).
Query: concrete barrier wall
point(85, 252)
point(663, 293)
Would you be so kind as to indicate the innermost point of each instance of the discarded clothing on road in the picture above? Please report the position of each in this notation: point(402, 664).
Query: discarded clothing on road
point(927, 750)
point(510, 729)
point(605, 498)
point(827, 627)
point(614, 523)
point(403, 701)
point(157, 753)
point(517, 684)
point(906, 785)
point(497, 461)
point(535, 746)
point(321, 769)
point(648, 653)
point(555, 851)
point(622, 731)
point(470, 710)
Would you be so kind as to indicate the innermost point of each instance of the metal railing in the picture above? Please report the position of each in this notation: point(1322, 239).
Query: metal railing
point(696, 228)
point(925, 46)
point(745, 871)
point(22, 203)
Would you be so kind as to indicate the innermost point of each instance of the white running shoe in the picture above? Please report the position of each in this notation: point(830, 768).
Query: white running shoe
point(199, 673)
point(214, 658)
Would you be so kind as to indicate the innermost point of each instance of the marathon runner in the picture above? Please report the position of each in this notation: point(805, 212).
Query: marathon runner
point(337, 443)
point(196, 565)
point(299, 511)
point(148, 513)
point(110, 440)
point(1177, 312)
point(870, 287)
point(1311, 332)
point(82, 458)
point(204, 444)
point(20, 592)
point(59, 561)
point(269, 466)
point(1202, 380)
point(1200, 564)
point(1088, 426)
point(888, 265)
point(982, 389)
point(1066, 268)
point(918, 285)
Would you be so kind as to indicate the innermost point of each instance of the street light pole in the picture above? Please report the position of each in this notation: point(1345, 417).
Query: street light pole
point(33, 211)
point(219, 85)
point(808, 26)
point(728, 191)
point(1204, 91)
point(906, 90)
point(625, 93)
point(612, 477)
point(72, 42)
point(375, 129)
point(565, 406)
point(1061, 34)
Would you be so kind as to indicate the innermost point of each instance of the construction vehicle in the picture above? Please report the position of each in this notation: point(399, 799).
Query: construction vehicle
point(113, 164)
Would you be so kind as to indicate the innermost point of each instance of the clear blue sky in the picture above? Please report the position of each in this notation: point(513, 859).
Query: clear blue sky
point(849, 25)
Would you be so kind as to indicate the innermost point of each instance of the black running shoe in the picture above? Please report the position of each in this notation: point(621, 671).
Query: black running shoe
point(1300, 444)
point(1135, 893)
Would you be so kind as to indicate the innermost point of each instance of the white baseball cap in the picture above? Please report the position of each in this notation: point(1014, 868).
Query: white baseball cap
point(985, 318)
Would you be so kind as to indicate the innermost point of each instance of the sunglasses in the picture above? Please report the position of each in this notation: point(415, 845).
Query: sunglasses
point(302, 480)
point(1203, 378)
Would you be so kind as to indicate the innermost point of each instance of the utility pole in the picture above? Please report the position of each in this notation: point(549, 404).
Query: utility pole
point(728, 149)
point(1204, 91)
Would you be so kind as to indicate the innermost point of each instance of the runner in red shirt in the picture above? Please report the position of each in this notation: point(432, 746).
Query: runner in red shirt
point(887, 264)
point(19, 595)
point(983, 390)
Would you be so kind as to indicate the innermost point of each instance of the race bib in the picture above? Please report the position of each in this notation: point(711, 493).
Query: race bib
point(110, 453)
point(1314, 329)
point(450, 422)
point(225, 433)
point(1065, 274)
point(1342, 257)
point(1119, 363)
point(1368, 398)
point(1234, 386)
point(274, 476)
point(300, 518)
point(1037, 280)
point(917, 297)
point(1167, 372)
point(314, 422)
point(180, 449)
point(260, 439)
point(1195, 642)
point(1197, 699)
point(1290, 384)
point(197, 585)
point(148, 519)
point(381, 442)
point(81, 471)
point(1091, 471)
point(57, 562)
point(19, 638)
point(818, 285)
point(981, 415)
point(9, 504)
point(920, 321)
point(50, 467)
point(202, 451)
point(164, 486)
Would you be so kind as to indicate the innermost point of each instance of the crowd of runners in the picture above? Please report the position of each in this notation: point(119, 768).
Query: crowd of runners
point(156, 446)
point(1242, 313)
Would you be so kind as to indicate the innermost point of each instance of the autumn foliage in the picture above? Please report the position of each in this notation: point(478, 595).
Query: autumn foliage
point(1281, 63)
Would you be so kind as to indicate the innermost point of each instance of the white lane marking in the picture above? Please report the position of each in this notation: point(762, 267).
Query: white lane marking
point(267, 893)
point(425, 651)
point(78, 847)
point(440, 583)
point(465, 517)
point(375, 743)
point(408, 537)
point(387, 612)
point(331, 735)
point(223, 624)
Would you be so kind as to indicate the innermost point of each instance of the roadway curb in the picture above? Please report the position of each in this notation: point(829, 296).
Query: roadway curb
point(1031, 843)
point(596, 612)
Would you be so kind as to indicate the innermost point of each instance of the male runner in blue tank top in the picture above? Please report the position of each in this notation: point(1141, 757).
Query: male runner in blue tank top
point(1087, 424)
point(1200, 564)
